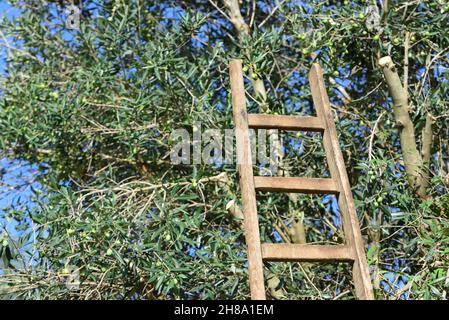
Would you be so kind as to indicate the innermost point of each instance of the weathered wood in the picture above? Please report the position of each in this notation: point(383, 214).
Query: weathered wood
point(294, 184)
point(292, 123)
point(306, 252)
point(351, 228)
point(251, 221)
point(353, 250)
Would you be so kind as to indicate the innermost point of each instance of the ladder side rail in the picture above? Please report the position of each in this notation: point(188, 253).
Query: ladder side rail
point(362, 280)
point(244, 164)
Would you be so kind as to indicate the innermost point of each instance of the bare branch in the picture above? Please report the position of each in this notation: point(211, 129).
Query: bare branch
point(270, 14)
point(426, 150)
point(406, 48)
point(373, 133)
point(253, 14)
point(243, 29)
point(385, 7)
point(236, 17)
point(346, 97)
point(412, 157)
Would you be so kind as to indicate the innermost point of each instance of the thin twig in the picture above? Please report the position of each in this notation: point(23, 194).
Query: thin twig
point(373, 133)
point(406, 48)
point(270, 15)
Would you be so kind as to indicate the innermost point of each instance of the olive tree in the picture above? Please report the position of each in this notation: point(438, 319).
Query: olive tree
point(92, 93)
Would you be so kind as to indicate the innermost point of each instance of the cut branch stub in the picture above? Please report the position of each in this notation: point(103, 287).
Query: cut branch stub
point(412, 158)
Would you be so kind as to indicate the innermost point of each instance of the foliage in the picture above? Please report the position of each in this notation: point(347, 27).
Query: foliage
point(94, 108)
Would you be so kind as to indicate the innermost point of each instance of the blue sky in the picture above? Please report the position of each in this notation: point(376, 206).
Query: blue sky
point(21, 170)
point(10, 12)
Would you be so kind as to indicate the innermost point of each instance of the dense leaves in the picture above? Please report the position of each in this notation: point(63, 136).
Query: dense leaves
point(111, 217)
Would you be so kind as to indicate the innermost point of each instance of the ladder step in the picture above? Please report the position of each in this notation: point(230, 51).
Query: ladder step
point(294, 184)
point(305, 252)
point(292, 123)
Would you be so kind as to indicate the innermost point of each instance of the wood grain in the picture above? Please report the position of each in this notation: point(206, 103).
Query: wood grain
point(306, 252)
point(351, 228)
point(251, 221)
point(289, 123)
point(293, 184)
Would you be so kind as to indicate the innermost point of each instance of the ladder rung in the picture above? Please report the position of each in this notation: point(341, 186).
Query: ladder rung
point(293, 123)
point(305, 252)
point(294, 184)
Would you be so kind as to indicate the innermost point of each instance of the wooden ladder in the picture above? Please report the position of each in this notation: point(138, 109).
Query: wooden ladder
point(352, 250)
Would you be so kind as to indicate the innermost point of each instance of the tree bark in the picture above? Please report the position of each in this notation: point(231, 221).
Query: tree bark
point(412, 158)
point(243, 30)
point(426, 151)
point(416, 169)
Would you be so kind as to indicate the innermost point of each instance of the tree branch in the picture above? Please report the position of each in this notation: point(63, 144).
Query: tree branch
point(385, 7)
point(406, 48)
point(426, 150)
point(236, 17)
point(373, 133)
point(346, 97)
point(412, 157)
point(243, 30)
